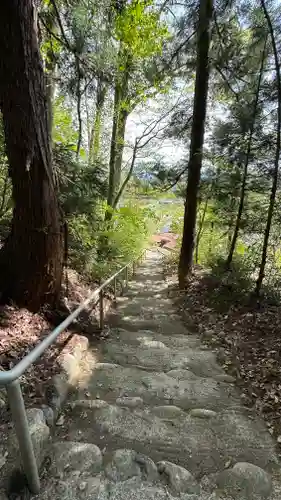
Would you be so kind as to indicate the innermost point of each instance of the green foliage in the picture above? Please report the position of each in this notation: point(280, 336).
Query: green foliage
point(129, 232)
point(63, 130)
point(140, 30)
point(132, 225)
point(5, 188)
point(142, 35)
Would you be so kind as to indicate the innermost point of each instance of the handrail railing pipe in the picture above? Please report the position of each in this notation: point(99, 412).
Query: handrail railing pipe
point(10, 379)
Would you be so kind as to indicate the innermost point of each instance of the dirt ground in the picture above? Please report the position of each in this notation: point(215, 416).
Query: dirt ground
point(21, 330)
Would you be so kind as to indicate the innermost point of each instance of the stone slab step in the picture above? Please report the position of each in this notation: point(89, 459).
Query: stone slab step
point(80, 470)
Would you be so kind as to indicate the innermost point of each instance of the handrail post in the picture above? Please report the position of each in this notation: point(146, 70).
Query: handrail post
point(126, 276)
point(115, 289)
point(101, 310)
point(28, 459)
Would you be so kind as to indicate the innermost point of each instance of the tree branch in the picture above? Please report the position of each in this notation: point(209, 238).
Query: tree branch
point(227, 82)
point(57, 14)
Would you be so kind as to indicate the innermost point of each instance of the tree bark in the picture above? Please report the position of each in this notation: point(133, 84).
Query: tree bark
point(51, 64)
point(197, 140)
point(78, 107)
point(119, 150)
point(277, 154)
point(200, 229)
point(94, 148)
point(31, 259)
point(128, 176)
point(120, 114)
point(245, 170)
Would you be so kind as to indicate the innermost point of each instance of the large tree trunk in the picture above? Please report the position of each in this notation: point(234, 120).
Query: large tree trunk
point(277, 154)
point(197, 140)
point(245, 170)
point(31, 259)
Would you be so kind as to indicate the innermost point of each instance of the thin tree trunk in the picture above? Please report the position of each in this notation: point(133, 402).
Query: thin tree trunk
point(200, 229)
point(116, 156)
point(50, 91)
point(277, 154)
point(110, 194)
point(31, 260)
point(245, 170)
point(197, 140)
point(51, 64)
point(128, 176)
point(120, 149)
point(120, 115)
point(94, 148)
point(79, 116)
point(78, 107)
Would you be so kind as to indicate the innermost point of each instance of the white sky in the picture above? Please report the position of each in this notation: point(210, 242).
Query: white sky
point(171, 151)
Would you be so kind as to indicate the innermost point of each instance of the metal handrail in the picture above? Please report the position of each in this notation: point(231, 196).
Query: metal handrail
point(9, 378)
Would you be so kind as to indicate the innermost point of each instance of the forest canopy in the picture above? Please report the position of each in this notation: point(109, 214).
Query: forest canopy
point(107, 108)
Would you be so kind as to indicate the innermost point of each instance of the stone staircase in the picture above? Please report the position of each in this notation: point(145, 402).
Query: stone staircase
point(155, 417)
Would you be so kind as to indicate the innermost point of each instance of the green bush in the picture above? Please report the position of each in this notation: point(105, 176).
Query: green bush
point(128, 232)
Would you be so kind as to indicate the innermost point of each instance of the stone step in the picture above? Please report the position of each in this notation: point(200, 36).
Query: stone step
point(80, 470)
point(155, 417)
point(144, 337)
point(180, 387)
point(157, 356)
point(201, 441)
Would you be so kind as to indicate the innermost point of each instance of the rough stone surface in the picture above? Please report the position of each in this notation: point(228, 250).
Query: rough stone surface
point(35, 416)
point(157, 387)
point(180, 479)
point(48, 415)
point(202, 413)
point(123, 465)
point(10, 458)
point(154, 394)
point(39, 431)
point(202, 363)
point(245, 481)
point(68, 456)
point(168, 412)
point(129, 401)
point(57, 392)
point(200, 445)
point(135, 489)
point(128, 463)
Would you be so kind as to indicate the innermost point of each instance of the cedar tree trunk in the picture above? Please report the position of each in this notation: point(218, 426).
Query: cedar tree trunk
point(197, 140)
point(31, 259)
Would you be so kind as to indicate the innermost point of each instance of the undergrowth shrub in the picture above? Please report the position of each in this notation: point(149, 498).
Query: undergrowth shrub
point(128, 233)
